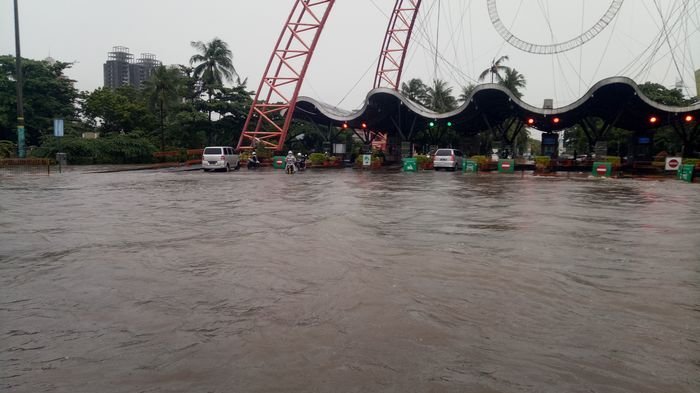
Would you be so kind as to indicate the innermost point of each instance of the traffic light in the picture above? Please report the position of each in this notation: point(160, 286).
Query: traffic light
point(431, 124)
point(449, 124)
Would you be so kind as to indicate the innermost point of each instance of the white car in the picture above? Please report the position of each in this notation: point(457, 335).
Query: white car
point(220, 157)
point(450, 159)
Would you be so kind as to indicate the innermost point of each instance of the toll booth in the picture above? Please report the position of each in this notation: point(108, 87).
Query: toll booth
point(550, 144)
point(640, 147)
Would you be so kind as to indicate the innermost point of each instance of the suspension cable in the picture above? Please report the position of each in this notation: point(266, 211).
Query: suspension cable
point(437, 40)
point(668, 41)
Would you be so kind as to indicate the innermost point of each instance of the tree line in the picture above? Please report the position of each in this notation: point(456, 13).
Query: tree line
point(205, 102)
point(193, 105)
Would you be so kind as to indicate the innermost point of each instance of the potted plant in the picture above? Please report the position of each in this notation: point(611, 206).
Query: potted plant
point(317, 159)
point(614, 161)
point(543, 164)
point(481, 161)
point(424, 161)
point(692, 161)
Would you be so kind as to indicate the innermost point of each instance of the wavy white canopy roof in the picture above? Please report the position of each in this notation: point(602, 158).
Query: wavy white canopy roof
point(618, 100)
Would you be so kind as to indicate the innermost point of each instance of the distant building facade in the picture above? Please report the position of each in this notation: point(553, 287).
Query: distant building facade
point(121, 69)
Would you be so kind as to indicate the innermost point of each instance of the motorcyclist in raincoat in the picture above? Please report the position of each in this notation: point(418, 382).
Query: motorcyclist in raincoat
point(291, 161)
point(253, 161)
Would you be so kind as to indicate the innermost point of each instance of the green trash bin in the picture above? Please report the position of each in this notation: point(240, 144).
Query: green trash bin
point(279, 162)
point(685, 172)
point(506, 166)
point(410, 164)
point(470, 166)
point(601, 168)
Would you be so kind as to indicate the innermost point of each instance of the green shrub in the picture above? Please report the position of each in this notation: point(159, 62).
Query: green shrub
point(317, 158)
point(262, 152)
point(117, 149)
point(7, 149)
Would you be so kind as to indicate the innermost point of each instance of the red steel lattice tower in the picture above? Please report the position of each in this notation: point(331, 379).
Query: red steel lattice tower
point(273, 107)
point(271, 113)
point(393, 53)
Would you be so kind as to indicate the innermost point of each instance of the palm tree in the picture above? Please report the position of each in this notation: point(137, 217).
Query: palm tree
point(214, 64)
point(440, 97)
point(415, 91)
point(513, 81)
point(494, 69)
point(163, 90)
point(466, 92)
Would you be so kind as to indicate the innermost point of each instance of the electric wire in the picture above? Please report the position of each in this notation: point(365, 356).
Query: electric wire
point(372, 64)
point(668, 40)
point(437, 41)
point(605, 52)
point(580, 52)
point(645, 67)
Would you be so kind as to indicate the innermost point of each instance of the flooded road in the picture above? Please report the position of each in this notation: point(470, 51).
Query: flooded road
point(348, 281)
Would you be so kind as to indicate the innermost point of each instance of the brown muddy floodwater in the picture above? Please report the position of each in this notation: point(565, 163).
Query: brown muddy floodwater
point(347, 281)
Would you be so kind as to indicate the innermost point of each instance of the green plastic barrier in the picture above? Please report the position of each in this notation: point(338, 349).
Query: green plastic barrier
point(279, 162)
point(602, 169)
point(506, 166)
point(685, 172)
point(470, 166)
point(410, 164)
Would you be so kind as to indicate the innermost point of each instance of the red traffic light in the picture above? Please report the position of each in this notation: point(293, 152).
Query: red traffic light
point(689, 118)
point(345, 125)
point(531, 121)
point(364, 125)
point(556, 120)
point(653, 119)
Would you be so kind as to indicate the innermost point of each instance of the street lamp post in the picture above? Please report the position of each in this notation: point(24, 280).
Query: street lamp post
point(20, 104)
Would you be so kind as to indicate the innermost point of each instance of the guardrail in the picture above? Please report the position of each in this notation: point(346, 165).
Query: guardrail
point(185, 157)
point(25, 166)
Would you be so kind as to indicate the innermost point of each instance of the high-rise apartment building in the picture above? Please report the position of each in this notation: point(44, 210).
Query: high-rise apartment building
point(120, 69)
point(142, 69)
point(116, 69)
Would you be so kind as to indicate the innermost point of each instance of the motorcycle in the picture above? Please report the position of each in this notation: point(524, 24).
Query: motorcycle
point(253, 163)
point(290, 169)
point(301, 163)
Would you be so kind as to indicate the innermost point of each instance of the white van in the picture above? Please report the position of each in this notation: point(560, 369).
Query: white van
point(450, 159)
point(220, 157)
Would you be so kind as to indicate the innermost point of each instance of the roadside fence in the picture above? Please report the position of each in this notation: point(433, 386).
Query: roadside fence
point(25, 166)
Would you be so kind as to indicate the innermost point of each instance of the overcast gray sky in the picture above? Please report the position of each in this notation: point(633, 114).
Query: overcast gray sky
point(341, 72)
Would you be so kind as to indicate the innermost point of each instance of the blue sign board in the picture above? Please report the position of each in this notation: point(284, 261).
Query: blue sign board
point(58, 127)
point(550, 139)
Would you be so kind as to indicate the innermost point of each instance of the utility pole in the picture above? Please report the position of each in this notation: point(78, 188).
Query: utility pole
point(20, 104)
